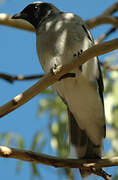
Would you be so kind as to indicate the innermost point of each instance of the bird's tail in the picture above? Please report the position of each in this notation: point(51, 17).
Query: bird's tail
point(84, 147)
point(92, 152)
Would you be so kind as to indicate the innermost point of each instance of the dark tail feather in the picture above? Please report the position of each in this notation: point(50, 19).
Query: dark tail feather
point(84, 173)
point(92, 152)
point(84, 147)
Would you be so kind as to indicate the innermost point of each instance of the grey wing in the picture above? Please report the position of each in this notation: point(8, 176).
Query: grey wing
point(99, 79)
point(78, 137)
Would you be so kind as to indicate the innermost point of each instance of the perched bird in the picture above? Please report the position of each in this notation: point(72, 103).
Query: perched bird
point(60, 37)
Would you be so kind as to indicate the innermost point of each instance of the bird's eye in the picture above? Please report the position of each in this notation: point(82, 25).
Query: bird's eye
point(36, 6)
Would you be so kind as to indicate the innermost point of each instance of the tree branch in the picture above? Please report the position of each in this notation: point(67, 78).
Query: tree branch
point(11, 78)
point(50, 78)
point(6, 20)
point(105, 18)
point(34, 157)
point(99, 20)
point(105, 35)
point(111, 10)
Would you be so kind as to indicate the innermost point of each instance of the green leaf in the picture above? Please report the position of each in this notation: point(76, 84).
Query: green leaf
point(35, 141)
point(35, 171)
point(20, 142)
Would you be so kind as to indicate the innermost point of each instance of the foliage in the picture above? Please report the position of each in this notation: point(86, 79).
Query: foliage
point(111, 106)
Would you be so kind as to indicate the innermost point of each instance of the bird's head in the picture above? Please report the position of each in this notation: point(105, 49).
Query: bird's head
point(36, 12)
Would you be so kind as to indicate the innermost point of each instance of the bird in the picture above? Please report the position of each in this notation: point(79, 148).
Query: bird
point(60, 38)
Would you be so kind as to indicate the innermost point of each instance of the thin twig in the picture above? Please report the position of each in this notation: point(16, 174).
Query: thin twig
point(112, 9)
point(105, 18)
point(105, 35)
point(11, 78)
point(99, 20)
point(50, 78)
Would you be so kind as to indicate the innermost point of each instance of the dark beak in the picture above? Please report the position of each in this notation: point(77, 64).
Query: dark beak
point(19, 16)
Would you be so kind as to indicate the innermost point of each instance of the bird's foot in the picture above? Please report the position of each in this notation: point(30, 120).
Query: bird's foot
point(56, 68)
point(78, 53)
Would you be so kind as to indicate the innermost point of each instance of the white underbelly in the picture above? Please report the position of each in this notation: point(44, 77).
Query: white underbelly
point(84, 102)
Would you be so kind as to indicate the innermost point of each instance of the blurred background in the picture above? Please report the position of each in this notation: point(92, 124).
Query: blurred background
point(41, 124)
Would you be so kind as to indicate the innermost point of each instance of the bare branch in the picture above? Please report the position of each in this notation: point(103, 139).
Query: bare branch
point(105, 35)
point(6, 20)
point(34, 157)
point(50, 79)
point(11, 78)
point(24, 25)
point(105, 18)
point(99, 20)
point(111, 9)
